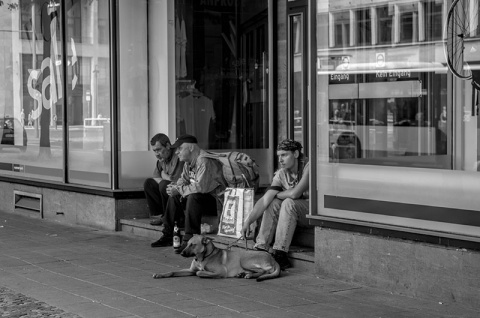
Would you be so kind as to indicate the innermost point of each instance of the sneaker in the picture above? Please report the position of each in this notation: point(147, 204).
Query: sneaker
point(163, 242)
point(156, 222)
point(181, 248)
point(282, 259)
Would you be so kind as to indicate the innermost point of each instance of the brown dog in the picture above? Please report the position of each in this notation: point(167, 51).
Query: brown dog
point(212, 262)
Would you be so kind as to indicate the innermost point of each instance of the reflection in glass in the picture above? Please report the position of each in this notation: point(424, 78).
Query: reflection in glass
point(382, 126)
point(31, 90)
point(384, 25)
point(363, 29)
point(341, 22)
point(221, 66)
point(297, 91)
point(387, 98)
point(88, 84)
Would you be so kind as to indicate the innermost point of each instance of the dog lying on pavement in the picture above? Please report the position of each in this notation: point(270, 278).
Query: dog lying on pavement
point(212, 262)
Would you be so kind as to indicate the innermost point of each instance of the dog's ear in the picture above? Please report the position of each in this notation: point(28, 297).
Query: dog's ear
point(206, 240)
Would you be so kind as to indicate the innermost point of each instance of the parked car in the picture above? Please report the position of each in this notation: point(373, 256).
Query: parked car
point(13, 134)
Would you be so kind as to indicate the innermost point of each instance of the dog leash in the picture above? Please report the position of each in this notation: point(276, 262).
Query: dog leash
point(229, 246)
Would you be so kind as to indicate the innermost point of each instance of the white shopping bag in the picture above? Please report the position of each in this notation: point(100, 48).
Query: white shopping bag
point(237, 206)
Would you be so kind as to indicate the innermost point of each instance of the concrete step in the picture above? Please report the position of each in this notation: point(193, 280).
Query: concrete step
point(141, 227)
point(302, 257)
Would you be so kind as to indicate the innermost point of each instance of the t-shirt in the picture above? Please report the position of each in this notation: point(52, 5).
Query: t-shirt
point(285, 179)
point(172, 167)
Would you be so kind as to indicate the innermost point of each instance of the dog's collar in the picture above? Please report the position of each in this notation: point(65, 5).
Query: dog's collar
point(205, 256)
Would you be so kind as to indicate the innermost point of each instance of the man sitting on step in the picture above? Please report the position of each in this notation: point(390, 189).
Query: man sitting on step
point(284, 203)
point(198, 191)
point(167, 169)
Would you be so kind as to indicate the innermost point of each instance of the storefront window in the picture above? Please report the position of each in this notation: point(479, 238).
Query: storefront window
point(191, 67)
point(31, 90)
point(35, 90)
point(387, 103)
point(88, 84)
point(297, 86)
point(221, 70)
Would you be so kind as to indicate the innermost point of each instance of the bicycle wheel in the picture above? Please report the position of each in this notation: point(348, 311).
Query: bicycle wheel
point(461, 25)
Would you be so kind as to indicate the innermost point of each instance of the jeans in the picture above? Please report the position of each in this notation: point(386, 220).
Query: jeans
point(279, 222)
point(191, 208)
point(156, 195)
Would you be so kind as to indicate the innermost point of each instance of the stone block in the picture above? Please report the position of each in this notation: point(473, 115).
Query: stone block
point(415, 269)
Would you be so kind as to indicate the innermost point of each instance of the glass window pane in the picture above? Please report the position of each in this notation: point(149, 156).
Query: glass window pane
point(221, 70)
point(384, 25)
point(88, 84)
point(364, 32)
point(342, 29)
point(138, 82)
point(31, 90)
point(387, 104)
point(297, 89)
point(433, 20)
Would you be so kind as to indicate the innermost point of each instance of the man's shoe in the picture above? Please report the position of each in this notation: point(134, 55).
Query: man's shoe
point(282, 259)
point(261, 248)
point(163, 242)
point(156, 222)
point(181, 248)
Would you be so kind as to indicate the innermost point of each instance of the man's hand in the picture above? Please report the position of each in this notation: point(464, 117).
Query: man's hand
point(245, 231)
point(172, 190)
point(166, 176)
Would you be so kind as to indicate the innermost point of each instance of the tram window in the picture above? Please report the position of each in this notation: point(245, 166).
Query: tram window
point(385, 130)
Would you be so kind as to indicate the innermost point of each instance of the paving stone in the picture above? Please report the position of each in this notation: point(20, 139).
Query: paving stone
point(14, 304)
point(71, 271)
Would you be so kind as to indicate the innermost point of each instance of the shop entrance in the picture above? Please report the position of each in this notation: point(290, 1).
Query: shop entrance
point(222, 77)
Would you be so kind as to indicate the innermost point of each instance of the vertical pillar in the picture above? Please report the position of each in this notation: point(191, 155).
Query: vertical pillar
point(374, 25)
point(331, 29)
point(161, 55)
point(16, 50)
point(415, 26)
point(353, 28)
point(396, 24)
point(421, 21)
point(473, 18)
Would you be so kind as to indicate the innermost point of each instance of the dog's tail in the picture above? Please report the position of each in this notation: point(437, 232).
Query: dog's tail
point(273, 274)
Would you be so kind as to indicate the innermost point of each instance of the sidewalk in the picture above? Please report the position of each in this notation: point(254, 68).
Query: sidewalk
point(52, 270)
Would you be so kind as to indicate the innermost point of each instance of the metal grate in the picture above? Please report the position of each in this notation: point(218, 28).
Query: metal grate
point(30, 203)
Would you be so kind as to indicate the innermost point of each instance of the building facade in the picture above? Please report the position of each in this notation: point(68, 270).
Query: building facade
point(364, 85)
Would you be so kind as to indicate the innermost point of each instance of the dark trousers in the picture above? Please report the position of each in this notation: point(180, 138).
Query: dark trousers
point(191, 208)
point(156, 194)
